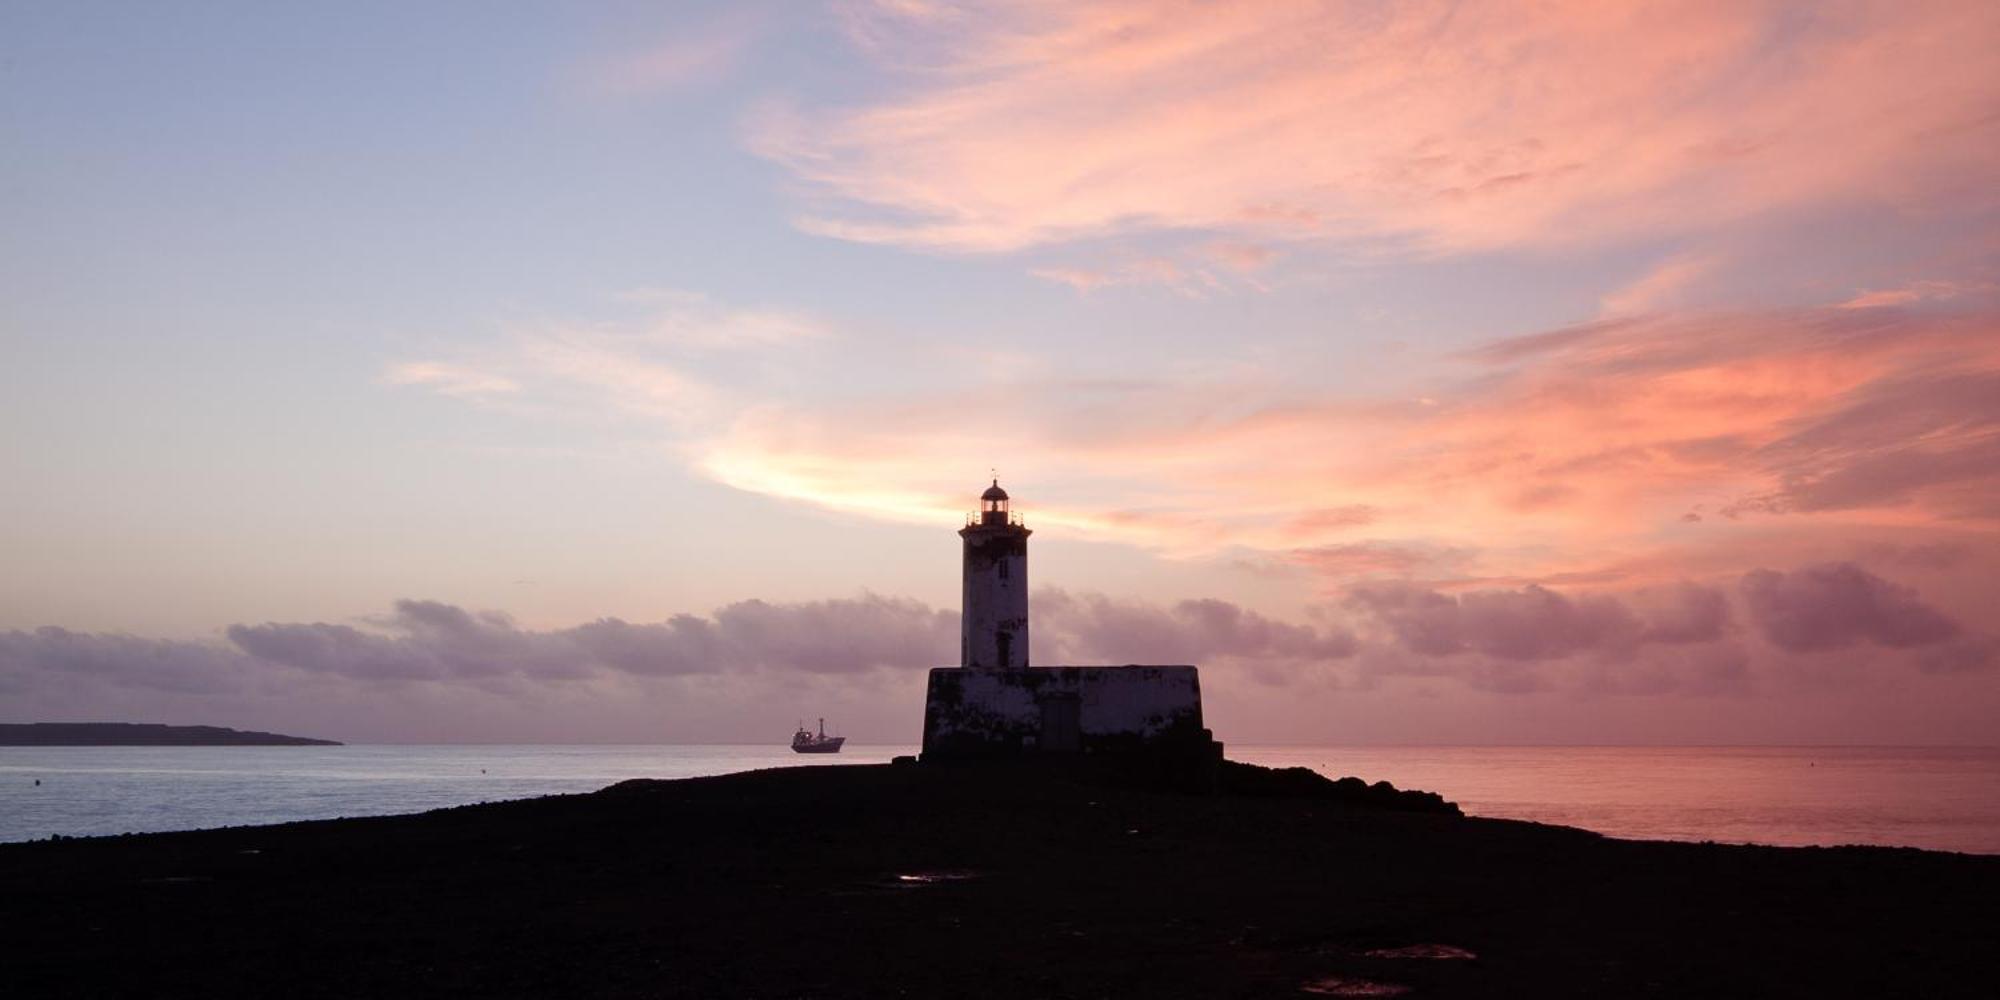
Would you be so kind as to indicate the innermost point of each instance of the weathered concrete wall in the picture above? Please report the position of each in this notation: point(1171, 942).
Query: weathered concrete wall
point(991, 712)
point(993, 623)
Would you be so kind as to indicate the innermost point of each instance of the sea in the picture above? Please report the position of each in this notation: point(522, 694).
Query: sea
point(1937, 798)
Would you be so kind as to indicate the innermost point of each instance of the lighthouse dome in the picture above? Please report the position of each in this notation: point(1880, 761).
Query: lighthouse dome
point(994, 492)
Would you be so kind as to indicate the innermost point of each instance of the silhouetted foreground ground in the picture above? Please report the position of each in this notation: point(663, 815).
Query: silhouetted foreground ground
point(904, 881)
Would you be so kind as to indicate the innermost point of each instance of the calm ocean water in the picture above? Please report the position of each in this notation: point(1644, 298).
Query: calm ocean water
point(1940, 798)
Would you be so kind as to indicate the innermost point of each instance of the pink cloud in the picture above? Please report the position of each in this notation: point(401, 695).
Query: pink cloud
point(1450, 126)
point(1837, 605)
point(1532, 623)
point(1657, 287)
point(450, 379)
point(1559, 453)
point(429, 667)
point(1876, 300)
point(1313, 523)
point(1093, 628)
point(1242, 256)
point(1145, 271)
point(1916, 291)
point(1931, 435)
point(1545, 485)
point(1377, 559)
point(688, 55)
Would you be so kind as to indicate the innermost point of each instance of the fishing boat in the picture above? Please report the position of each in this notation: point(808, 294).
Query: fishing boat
point(804, 741)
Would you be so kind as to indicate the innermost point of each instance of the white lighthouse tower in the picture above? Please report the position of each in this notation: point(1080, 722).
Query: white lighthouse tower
point(994, 622)
point(993, 704)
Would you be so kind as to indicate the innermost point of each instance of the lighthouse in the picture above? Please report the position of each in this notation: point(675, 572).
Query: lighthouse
point(993, 621)
point(993, 704)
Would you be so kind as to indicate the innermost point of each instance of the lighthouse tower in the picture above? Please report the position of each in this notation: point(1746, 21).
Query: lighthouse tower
point(993, 704)
point(994, 622)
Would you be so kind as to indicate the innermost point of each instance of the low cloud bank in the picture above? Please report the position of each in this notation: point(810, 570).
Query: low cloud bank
point(1093, 628)
point(1829, 606)
point(1536, 623)
point(1687, 639)
point(429, 640)
point(422, 641)
point(1838, 605)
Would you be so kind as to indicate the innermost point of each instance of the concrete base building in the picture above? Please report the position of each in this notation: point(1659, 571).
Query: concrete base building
point(994, 704)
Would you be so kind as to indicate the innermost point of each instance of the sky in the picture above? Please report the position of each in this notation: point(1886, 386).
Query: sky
point(1428, 373)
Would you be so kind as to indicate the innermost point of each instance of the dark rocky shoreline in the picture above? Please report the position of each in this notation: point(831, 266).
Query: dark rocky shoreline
point(922, 881)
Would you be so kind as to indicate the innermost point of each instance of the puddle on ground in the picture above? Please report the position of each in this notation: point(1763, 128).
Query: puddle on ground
point(1443, 951)
point(1351, 986)
point(914, 879)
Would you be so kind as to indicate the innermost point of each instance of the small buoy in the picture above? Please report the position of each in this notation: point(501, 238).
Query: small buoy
point(38, 782)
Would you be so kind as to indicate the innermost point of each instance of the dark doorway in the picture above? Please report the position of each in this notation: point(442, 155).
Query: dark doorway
point(1062, 729)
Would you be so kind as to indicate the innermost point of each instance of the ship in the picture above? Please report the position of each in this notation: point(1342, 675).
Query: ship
point(804, 741)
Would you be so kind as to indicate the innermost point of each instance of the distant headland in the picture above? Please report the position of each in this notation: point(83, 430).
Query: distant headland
point(142, 734)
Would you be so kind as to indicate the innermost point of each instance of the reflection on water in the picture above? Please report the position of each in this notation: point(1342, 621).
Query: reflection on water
point(108, 790)
point(1946, 799)
point(1443, 952)
point(934, 878)
point(1352, 986)
point(1943, 798)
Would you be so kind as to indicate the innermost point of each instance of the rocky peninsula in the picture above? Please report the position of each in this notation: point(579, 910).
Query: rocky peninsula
point(142, 734)
point(968, 881)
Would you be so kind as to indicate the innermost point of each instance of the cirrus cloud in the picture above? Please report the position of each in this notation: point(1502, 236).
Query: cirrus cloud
point(1551, 454)
point(1447, 126)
